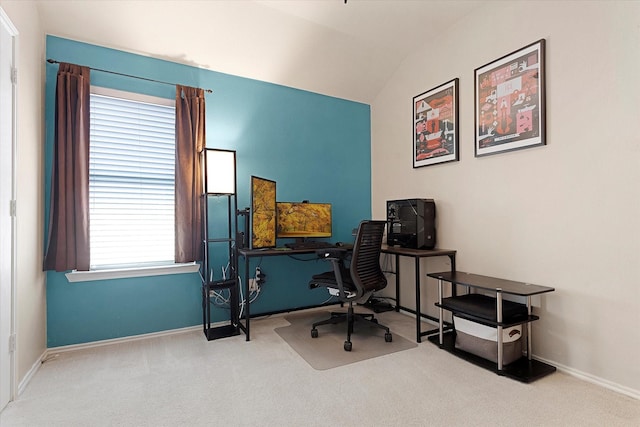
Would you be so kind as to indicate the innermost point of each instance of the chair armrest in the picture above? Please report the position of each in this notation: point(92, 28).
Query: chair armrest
point(337, 256)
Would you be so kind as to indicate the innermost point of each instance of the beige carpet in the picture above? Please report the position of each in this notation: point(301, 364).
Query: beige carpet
point(184, 380)
point(327, 351)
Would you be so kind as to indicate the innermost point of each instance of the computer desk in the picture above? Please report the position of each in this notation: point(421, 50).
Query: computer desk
point(417, 254)
point(247, 254)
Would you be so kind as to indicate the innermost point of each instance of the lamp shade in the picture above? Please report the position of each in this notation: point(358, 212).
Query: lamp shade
point(220, 174)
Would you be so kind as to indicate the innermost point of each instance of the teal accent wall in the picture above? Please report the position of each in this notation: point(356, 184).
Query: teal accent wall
point(315, 147)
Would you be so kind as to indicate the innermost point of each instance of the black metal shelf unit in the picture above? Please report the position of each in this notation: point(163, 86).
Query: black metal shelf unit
point(494, 312)
point(219, 268)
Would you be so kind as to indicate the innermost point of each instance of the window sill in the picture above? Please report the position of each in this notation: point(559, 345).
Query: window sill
point(122, 273)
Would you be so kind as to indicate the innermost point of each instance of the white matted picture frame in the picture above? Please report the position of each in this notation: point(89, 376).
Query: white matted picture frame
point(435, 125)
point(510, 102)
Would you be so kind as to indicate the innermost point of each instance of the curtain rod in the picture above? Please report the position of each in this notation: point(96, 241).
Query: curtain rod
point(53, 61)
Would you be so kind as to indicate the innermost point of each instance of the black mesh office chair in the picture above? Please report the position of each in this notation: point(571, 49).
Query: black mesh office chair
point(355, 282)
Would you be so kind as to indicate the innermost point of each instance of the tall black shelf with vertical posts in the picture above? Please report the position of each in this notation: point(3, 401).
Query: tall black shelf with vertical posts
point(219, 268)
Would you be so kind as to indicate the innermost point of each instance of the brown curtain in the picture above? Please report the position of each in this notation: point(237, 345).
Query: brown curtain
point(190, 141)
point(68, 240)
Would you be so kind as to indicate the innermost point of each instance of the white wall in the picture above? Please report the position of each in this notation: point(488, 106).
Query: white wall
point(562, 215)
point(31, 288)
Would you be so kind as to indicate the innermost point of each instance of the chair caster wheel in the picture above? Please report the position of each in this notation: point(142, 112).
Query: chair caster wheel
point(314, 333)
point(388, 337)
point(347, 346)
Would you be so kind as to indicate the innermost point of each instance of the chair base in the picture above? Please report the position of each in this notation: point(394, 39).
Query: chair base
point(350, 318)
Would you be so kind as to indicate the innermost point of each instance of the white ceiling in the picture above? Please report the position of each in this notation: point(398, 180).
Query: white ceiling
point(325, 46)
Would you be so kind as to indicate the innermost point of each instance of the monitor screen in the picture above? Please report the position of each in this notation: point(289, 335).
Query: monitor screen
point(302, 220)
point(263, 213)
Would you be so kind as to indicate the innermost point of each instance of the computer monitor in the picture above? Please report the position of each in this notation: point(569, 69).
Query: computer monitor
point(263, 213)
point(303, 220)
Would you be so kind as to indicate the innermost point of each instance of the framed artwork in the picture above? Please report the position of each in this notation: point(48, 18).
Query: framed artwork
point(510, 102)
point(435, 125)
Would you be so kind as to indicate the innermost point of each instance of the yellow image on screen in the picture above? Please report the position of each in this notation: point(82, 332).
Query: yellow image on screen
point(263, 213)
point(304, 219)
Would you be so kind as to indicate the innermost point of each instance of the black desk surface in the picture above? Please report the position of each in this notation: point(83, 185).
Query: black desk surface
point(491, 283)
point(385, 249)
point(280, 251)
point(416, 252)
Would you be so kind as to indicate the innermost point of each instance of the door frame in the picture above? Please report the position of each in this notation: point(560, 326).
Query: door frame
point(8, 343)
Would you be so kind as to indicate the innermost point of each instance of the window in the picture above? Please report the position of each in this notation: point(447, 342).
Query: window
point(131, 180)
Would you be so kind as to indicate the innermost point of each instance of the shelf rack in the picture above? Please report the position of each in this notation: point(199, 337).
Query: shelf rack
point(498, 313)
point(218, 240)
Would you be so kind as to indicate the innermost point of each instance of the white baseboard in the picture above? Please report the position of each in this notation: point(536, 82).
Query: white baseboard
point(628, 391)
point(31, 373)
point(93, 344)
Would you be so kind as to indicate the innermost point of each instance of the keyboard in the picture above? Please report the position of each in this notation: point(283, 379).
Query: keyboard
point(309, 245)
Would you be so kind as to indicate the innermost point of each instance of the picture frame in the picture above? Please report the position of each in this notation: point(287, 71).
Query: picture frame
point(435, 125)
point(510, 102)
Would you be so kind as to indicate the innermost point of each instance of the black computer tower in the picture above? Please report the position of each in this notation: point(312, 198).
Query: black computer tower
point(411, 223)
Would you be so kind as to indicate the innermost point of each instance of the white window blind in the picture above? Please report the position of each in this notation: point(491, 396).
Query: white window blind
point(131, 182)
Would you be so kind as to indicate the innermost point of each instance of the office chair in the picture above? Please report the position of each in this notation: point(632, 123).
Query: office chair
point(355, 282)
